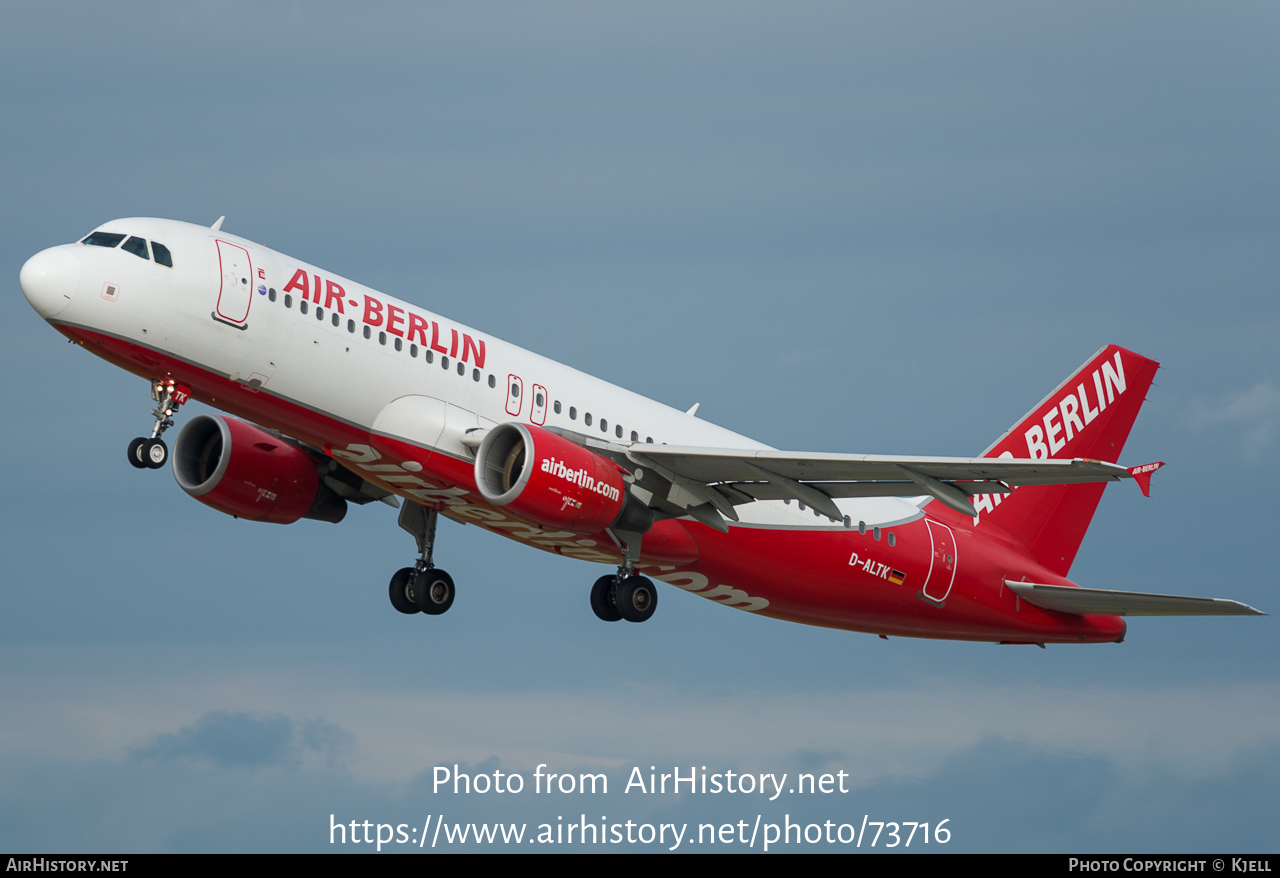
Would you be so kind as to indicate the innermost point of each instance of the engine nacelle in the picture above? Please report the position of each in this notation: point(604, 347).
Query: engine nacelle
point(245, 471)
point(549, 481)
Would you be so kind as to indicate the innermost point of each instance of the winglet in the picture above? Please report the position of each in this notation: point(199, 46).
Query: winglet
point(1142, 475)
point(218, 225)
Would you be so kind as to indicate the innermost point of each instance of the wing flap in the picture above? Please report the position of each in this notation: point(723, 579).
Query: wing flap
point(1109, 602)
point(842, 490)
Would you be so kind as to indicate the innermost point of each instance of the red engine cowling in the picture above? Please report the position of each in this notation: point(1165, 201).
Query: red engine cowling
point(548, 480)
point(245, 471)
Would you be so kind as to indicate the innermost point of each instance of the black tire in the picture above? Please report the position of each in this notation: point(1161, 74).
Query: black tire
point(135, 453)
point(402, 592)
point(602, 599)
point(155, 453)
point(433, 591)
point(636, 598)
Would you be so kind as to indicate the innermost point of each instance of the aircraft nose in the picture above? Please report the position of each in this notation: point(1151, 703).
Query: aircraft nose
point(49, 280)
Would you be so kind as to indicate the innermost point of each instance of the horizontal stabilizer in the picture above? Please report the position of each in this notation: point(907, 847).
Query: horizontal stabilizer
point(1108, 602)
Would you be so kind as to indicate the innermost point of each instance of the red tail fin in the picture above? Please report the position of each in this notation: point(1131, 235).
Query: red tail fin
point(1089, 415)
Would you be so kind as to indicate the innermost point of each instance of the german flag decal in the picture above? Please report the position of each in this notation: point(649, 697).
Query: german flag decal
point(897, 577)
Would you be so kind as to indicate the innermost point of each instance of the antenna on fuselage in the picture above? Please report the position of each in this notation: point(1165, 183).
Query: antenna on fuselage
point(218, 225)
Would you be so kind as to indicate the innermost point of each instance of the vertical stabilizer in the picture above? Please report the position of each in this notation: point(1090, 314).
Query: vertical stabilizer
point(1089, 415)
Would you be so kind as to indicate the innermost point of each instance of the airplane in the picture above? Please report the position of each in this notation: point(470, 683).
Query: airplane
point(337, 394)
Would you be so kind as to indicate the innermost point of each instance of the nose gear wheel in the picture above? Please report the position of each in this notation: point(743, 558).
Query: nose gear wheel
point(152, 453)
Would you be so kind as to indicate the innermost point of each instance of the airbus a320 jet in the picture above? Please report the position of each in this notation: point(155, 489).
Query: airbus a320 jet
point(337, 394)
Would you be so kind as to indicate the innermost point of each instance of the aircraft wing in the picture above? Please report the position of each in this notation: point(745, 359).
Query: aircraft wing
point(723, 477)
point(1107, 602)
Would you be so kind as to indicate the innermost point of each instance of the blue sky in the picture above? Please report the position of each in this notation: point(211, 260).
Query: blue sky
point(837, 227)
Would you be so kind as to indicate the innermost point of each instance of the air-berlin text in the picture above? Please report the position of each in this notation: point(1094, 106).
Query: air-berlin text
point(391, 318)
point(1065, 418)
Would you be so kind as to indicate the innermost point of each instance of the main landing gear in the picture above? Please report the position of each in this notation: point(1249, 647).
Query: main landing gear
point(152, 453)
point(633, 598)
point(421, 588)
point(625, 595)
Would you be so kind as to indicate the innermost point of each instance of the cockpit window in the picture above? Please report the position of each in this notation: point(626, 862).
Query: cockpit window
point(104, 239)
point(162, 256)
point(138, 247)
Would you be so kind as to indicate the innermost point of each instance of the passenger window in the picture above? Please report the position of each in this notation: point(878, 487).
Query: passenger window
point(288, 300)
point(537, 398)
point(573, 413)
point(320, 314)
point(382, 338)
point(271, 293)
point(648, 439)
point(399, 344)
point(302, 306)
point(444, 363)
point(892, 540)
point(462, 368)
point(587, 418)
point(104, 239)
point(161, 253)
point(335, 319)
point(617, 431)
point(475, 374)
point(493, 382)
point(604, 426)
point(428, 356)
point(138, 247)
point(635, 437)
point(351, 326)
point(413, 350)
point(367, 333)
point(557, 406)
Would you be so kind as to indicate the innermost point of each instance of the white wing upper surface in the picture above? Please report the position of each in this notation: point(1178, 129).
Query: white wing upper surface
point(710, 465)
point(722, 477)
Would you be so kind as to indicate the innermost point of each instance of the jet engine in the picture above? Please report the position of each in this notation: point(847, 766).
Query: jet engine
point(547, 480)
point(245, 471)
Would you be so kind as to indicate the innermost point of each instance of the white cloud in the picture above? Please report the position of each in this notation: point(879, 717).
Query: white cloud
point(1189, 731)
point(1254, 412)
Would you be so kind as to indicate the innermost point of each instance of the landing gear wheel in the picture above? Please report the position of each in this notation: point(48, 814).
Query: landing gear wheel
point(602, 599)
point(155, 453)
point(135, 453)
point(402, 592)
point(433, 591)
point(636, 598)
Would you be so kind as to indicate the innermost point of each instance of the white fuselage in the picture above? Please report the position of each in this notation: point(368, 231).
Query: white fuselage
point(265, 323)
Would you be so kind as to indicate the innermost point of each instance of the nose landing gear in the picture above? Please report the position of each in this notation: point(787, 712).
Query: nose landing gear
point(152, 453)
